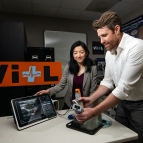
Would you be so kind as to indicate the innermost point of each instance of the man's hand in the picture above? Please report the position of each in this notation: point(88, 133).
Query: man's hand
point(84, 116)
point(86, 101)
point(41, 92)
point(88, 113)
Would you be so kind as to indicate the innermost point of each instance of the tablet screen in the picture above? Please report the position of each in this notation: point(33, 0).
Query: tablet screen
point(33, 109)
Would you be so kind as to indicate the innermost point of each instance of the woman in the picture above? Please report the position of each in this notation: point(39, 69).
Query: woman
point(78, 73)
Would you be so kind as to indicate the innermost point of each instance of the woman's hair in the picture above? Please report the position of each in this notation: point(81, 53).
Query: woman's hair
point(73, 66)
point(109, 19)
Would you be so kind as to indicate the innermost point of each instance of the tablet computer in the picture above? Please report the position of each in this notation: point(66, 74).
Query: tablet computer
point(31, 110)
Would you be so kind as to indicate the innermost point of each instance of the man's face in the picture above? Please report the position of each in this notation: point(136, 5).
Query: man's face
point(108, 38)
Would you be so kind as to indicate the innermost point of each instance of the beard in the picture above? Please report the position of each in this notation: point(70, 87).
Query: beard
point(112, 46)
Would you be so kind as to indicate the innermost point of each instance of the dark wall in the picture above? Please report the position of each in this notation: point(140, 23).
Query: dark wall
point(12, 48)
point(12, 41)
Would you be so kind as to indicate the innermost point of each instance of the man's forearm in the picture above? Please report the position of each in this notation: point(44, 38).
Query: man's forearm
point(109, 102)
point(101, 91)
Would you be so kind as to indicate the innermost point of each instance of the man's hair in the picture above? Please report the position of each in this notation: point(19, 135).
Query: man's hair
point(109, 19)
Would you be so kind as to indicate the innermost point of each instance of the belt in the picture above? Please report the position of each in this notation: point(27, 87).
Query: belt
point(139, 101)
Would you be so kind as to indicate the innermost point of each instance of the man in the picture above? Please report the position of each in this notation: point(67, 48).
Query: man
point(124, 69)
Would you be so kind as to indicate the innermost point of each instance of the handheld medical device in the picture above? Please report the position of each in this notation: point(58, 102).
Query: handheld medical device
point(78, 105)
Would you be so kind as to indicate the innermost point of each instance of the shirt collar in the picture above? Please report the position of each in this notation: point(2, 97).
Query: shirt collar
point(120, 47)
point(123, 41)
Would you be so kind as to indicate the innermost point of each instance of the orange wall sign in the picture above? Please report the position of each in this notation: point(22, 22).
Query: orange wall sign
point(29, 73)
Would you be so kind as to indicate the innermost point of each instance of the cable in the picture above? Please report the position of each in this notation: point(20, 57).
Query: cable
point(65, 112)
point(106, 121)
point(9, 117)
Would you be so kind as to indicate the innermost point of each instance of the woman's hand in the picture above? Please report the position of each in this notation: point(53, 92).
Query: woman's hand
point(42, 92)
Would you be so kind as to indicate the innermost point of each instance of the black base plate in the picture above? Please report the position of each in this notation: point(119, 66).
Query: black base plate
point(77, 127)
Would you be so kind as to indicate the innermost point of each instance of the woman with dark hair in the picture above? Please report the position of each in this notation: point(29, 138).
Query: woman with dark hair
point(78, 73)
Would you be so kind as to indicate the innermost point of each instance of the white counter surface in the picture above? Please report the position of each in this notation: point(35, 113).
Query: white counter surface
point(55, 131)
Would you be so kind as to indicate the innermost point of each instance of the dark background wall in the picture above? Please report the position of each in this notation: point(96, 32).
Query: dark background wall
point(12, 48)
point(36, 25)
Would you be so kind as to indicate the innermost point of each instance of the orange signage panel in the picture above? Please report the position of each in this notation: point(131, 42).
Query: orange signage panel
point(29, 73)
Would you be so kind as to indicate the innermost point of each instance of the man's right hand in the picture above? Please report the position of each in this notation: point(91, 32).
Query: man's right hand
point(42, 92)
point(84, 116)
point(87, 101)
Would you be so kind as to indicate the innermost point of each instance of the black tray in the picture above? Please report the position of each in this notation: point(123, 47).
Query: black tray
point(77, 127)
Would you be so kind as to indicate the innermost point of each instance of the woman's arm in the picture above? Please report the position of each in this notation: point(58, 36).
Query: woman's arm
point(93, 86)
point(60, 86)
point(63, 82)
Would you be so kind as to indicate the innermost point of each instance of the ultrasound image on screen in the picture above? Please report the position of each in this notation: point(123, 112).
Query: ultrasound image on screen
point(33, 110)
